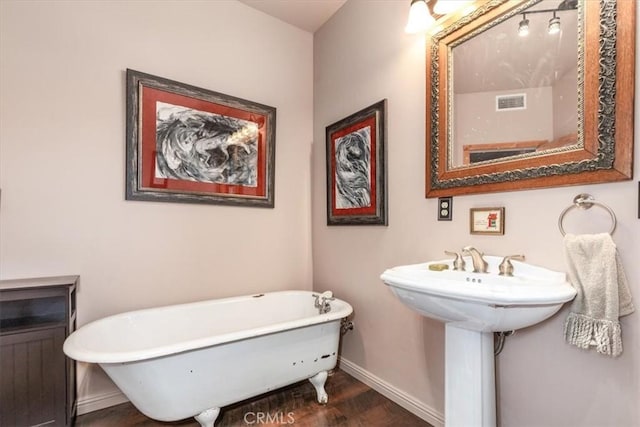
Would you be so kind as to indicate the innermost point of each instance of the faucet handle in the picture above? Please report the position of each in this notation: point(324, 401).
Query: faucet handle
point(327, 295)
point(505, 267)
point(458, 262)
point(322, 301)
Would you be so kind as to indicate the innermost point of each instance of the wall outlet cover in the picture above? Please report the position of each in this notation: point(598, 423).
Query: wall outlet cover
point(445, 208)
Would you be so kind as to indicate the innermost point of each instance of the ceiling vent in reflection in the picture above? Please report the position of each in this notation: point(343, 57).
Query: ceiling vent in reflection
point(515, 101)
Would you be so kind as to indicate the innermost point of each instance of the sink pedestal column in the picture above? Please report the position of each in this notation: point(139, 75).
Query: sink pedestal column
point(470, 395)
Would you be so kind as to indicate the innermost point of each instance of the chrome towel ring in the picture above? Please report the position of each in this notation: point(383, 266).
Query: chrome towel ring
point(585, 201)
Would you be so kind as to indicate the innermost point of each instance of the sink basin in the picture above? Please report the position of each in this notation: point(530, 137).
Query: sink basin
point(473, 306)
point(481, 301)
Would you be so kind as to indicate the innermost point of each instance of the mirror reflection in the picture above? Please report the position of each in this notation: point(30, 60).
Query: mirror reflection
point(514, 90)
point(559, 107)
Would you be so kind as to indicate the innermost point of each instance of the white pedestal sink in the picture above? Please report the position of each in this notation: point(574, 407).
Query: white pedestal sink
point(473, 306)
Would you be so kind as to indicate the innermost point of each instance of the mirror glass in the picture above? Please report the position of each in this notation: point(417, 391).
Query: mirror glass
point(530, 93)
point(514, 89)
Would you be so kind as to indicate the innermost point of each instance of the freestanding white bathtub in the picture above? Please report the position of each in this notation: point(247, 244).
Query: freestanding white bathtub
point(192, 359)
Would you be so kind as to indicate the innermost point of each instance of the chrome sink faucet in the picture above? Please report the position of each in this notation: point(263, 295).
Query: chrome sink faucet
point(479, 264)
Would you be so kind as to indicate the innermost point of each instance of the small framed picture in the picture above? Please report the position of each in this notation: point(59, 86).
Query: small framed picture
point(486, 221)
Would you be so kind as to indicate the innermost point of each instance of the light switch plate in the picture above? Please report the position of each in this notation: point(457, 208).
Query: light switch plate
point(445, 208)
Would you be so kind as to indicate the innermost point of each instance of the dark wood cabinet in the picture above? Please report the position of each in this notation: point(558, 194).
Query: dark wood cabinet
point(37, 381)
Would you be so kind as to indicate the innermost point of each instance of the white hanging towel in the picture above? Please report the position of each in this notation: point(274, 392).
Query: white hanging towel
point(603, 295)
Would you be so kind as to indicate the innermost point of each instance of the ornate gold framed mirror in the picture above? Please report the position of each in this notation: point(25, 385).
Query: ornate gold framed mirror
point(528, 93)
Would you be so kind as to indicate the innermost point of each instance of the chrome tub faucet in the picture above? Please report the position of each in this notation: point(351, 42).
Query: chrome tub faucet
point(323, 302)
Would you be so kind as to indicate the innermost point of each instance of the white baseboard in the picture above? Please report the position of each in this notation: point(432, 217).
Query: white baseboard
point(408, 402)
point(100, 401)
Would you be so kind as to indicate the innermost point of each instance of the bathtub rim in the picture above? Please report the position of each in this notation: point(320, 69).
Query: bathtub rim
point(74, 349)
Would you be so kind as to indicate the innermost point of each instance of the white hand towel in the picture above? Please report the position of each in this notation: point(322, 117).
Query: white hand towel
point(603, 294)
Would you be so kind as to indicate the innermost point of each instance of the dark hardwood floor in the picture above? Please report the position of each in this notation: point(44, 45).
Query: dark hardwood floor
point(351, 403)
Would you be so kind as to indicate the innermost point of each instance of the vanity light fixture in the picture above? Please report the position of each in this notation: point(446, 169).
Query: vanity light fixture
point(442, 7)
point(423, 13)
point(554, 24)
point(523, 27)
point(420, 18)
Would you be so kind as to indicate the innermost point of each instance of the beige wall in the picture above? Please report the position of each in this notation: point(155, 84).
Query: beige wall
point(361, 56)
point(62, 152)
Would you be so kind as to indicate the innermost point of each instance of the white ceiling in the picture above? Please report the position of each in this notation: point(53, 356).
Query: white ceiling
point(308, 15)
point(498, 59)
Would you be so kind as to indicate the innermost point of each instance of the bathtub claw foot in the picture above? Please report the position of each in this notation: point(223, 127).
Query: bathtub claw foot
point(318, 381)
point(208, 417)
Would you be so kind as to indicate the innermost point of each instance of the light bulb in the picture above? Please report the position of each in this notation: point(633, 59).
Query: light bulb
point(554, 25)
point(523, 27)
point(419, 17)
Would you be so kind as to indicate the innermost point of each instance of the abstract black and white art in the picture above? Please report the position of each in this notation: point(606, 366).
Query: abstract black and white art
point(353, 168)
point(356, 169)
point(199, 146)
point(187, 144)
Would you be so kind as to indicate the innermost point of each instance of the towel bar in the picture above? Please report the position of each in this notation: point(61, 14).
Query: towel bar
point(585, 201)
